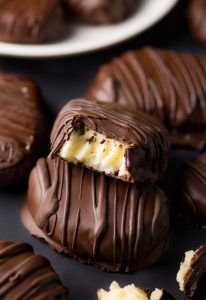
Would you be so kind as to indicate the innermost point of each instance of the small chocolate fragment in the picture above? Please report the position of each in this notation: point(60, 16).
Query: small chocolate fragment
point(23, 129)
point(25, 275)
point(96, 219)
point(127, 146)
point(26, 21)
point(197, 19)
point(102, 11)
point(192, 270)
point(166, 84)
point(193, 191)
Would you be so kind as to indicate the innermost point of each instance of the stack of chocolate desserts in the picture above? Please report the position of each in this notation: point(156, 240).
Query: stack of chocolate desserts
point(94, 197)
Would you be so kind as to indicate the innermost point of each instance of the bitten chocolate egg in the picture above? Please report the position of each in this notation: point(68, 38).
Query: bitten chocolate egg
point(96, 219)
point(26, 21)
point(166, 84)
point(25, 275)
point(102, 11)
point(197, 19)
point(131, 147)
point(23, 129)
point(193, 191)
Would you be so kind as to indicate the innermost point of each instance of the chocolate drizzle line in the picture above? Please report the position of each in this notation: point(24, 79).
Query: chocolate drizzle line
point(115, 225)
point(25, 275)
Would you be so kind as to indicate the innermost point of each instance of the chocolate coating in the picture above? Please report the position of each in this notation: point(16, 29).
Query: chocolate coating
point(197, 271)
point(197, 19)
point(147, 157)
point(23, 129)
point(102, 11)
point(96, 219)
point(193, 191)
point(25, 275)
point(26, 21)
point(165, 84)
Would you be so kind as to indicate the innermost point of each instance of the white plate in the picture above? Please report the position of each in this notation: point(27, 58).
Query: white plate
point(86, 38)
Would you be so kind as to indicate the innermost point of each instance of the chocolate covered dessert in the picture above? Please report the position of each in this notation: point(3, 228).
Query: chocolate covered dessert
point(25, 275)
point(23, 129)
point(96, 219)
point(166, 84)
point(133, 147)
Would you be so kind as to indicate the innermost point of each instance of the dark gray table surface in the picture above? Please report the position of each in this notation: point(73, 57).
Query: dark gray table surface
point(66, 78)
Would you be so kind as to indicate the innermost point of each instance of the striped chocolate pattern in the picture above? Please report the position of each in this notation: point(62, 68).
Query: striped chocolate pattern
point(42, 21)
point(117, 226)
point(26, 276)
point(165, 84)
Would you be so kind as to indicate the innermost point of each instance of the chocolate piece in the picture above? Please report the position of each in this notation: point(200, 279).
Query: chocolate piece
point(102, 11)
point(132, 147)
point(192, 270)
point(23, 130)
point(197, 19)
point(132, 292)
point(116, 226)
point(165, 84)
point(26, 21)
point(193, 191)
point(25, 275)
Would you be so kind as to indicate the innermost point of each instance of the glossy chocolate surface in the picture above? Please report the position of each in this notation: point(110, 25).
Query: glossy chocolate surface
point(194, 277)
point(26, 21)
point(102, 11)
point(197, 19)
point(147, 157)
point(193, 191)
point(27, 276)
point(165, 84)
point(96, 219)
point(23, 129)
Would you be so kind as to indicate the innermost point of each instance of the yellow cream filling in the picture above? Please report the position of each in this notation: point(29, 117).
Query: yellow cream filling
point(184, 268)
point(156, 295)
point(129, 292)
point(96, 151)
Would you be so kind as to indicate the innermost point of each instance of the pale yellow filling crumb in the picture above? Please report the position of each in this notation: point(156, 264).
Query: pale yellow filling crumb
point(184, 268)
point(156, 295)
point(129, 292)
point(96, 151)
